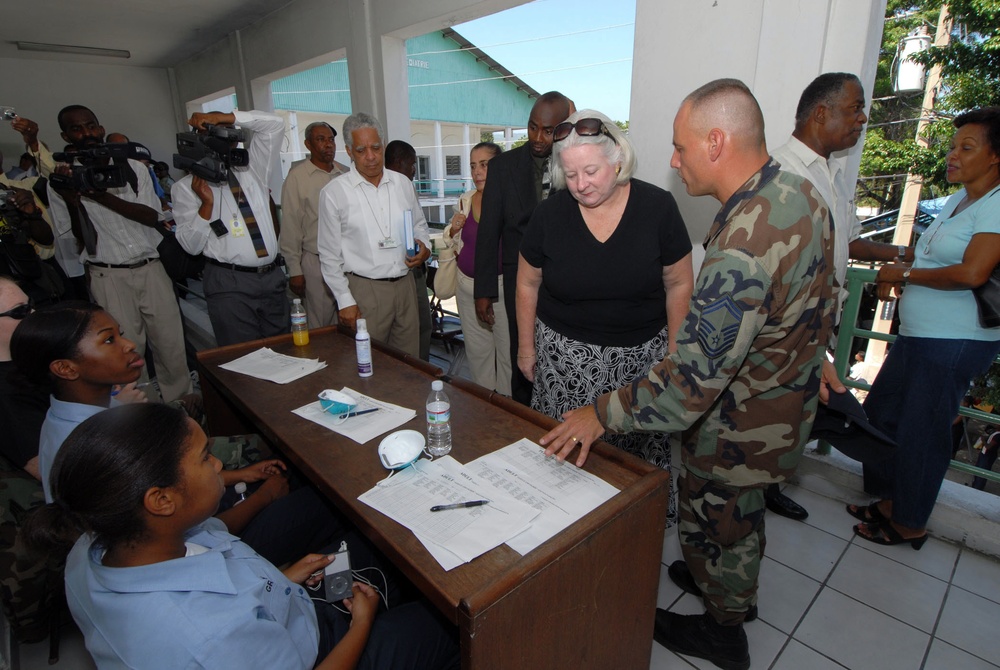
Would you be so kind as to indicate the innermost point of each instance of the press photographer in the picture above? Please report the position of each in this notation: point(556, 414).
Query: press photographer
point(209, 153)
point(222, 209)
point(115, 228)
point(21, 228)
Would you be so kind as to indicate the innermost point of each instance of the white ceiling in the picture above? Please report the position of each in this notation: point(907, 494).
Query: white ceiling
point(158, 33)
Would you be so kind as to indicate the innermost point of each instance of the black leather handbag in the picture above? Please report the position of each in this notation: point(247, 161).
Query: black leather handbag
point(988, 296)
point(988, 300)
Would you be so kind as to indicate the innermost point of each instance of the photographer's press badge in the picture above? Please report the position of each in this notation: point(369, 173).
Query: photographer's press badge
point(387, 243)
point(237, 227)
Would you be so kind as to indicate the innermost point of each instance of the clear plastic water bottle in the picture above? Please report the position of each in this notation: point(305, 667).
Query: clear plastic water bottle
point(300, 324)
point(438, 420)
point(363, 345)
point(241, 493)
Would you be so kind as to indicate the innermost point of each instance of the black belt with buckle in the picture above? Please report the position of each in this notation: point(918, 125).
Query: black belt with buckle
point(263, 269)
point(388, 279)
point(127, 266)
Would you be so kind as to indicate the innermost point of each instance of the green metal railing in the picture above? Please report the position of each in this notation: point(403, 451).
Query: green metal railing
point(856, 280)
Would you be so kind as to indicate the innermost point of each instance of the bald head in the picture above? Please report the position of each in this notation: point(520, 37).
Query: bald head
point(729, 105)
point(549, 110)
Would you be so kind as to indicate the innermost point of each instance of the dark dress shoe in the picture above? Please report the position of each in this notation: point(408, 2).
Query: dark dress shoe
point(682, 578)
point(781, 504)
point(699, 635)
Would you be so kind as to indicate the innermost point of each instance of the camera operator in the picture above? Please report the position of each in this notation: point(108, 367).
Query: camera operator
point(23, 231)
point(231, 224)
point(115, 226)
point(65, 249)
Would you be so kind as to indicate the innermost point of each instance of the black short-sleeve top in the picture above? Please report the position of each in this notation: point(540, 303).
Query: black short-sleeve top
point(606, 293)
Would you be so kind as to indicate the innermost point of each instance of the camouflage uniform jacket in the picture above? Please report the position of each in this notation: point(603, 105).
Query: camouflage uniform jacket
point(746, 372)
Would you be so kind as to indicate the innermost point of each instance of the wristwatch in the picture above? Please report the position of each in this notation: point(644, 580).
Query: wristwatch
point(906, 274)
point(902, 253)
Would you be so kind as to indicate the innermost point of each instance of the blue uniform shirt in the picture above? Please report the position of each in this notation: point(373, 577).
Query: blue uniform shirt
point(60, 421)
point(225, 608)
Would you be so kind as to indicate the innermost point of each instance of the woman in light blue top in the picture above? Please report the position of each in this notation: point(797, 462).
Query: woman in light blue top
point(941, 345)
point(154, 581)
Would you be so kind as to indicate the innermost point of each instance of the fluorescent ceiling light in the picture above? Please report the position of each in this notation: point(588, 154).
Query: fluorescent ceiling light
point(72, 49)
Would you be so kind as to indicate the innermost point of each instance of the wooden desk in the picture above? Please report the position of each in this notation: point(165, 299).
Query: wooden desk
point(584, 599)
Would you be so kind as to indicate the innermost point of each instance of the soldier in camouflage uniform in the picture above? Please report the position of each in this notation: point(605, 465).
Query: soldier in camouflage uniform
point(746, 373)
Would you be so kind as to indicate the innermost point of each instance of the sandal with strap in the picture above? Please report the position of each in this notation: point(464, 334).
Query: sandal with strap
point(867, 513)
point(886, 535)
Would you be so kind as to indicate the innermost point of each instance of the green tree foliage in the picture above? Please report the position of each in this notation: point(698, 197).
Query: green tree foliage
point(971, 61)
point(970, 78)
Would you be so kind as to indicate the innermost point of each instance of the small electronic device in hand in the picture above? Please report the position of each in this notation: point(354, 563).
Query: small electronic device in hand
point(337, 578)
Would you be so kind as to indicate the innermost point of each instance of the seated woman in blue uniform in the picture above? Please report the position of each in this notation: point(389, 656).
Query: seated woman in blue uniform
point(76, 350)
point(154, 581)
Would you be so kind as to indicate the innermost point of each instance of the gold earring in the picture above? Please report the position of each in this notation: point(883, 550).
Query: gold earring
point(618, 170)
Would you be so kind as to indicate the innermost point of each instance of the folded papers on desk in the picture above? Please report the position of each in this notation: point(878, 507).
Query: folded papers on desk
point(274, 367)
point(531, 499)
point(362, 428)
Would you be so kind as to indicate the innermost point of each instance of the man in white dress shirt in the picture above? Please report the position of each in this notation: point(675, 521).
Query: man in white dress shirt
point(362, 247)
point(829, 120)
point(300, 222)
point(116, 230)
point(230, 223)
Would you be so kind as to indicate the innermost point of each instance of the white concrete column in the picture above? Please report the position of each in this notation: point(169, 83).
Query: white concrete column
point(466, 154)
point(244, 89)
point(437, 170)
point(397, 89)
point(776, 47)
point(377, 69)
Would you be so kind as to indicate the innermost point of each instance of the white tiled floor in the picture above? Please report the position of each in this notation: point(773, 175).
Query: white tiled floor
point(828, 600)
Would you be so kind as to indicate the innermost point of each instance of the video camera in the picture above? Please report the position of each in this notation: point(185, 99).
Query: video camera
point(90, 176)
point(210, 154)
point(7, 206)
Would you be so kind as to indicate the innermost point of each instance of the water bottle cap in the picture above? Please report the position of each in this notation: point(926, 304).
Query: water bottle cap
point(437, 385)
point(297, 301)
point(241, 487)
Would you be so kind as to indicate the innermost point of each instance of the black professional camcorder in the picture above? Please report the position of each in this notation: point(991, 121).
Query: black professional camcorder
point(90, 175)
point(211, 153)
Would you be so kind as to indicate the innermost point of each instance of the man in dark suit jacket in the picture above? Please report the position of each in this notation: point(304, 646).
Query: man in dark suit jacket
point(514, 185)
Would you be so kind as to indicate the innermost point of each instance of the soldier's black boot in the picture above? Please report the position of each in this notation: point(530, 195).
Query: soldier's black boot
point(682, 578)
point(699, 635)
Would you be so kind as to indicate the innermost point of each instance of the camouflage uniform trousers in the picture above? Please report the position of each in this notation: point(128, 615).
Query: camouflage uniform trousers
point(722, 538)
point(235, 451)
point(238, 451)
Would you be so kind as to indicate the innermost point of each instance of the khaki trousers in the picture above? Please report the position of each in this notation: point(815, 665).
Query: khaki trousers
point(142, 300)
point(390, 309)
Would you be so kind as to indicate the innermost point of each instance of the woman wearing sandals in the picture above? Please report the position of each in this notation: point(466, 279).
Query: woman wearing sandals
point(941, 344)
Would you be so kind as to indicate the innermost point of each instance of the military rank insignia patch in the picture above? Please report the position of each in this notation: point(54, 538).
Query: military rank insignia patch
point(718, 326)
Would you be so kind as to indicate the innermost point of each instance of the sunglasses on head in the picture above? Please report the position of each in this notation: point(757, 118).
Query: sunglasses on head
point(19, 312)
point(583, 127)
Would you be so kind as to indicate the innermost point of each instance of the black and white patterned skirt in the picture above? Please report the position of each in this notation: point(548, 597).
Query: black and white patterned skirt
point(570, 374)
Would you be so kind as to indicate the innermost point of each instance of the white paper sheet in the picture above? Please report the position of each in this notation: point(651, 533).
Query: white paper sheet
point(560, 492)
point(273, 367)
point(362, 428)
point(408, 496)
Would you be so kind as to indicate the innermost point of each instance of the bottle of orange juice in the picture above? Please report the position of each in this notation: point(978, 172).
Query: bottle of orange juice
point(300, 326)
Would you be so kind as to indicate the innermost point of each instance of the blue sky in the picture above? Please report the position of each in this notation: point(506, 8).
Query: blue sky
point(580, 47)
